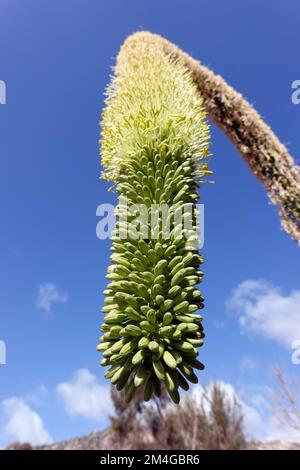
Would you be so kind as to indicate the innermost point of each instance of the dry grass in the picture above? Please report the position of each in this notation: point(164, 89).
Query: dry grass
point(214, 422)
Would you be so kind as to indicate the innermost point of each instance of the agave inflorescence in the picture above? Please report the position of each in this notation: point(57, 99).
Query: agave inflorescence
point(154, 140)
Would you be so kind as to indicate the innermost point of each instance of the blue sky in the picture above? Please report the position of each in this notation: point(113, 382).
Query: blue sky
point(55, 58)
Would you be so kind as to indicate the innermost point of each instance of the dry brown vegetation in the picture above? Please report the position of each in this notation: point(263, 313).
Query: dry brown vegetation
point(214, 422)
point(286, 398)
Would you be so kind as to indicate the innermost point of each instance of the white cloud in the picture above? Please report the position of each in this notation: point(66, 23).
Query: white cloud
point(264, 310)
point(49, 293)
point(22, 423)
point(85, 396)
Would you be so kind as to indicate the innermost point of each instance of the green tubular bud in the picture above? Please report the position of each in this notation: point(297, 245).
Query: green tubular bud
point(185, 318)
point(105, 327)
point(181, 297)
point(118, 345)
point(114, 277)
point(112, 370)
point(184, 346)
point(188, 372)
point(118, 374)
point(174, 262)
point(174, 395)
point(161, 349)
point(109, 336)
point(182, 382)
point(109, 300)
point(143, 342)
point(196, 318)
point(137, 264)
point(123, 380)
point(120, 260)
point(176, 268)
point(165, 331)
point(143, 247)
point(140, 376)
point(115, 330)
point(170, 383)
point(133, 314)
point(174, 291)
point(181, 326)
point(143, 291)
point(195, 363)
point(177, 278)
point(189, 271)
point(169, 360)
point(159, 299)
point(195, 341)
point(159, 369)
point(193, 378)
point(176, 356)
point(139, 357)
point(145, 309)
point(151, 315)
point(117, 318)
point(167, 304)
point(145, 325)
point(117, 359)
point(156, 387)
point(187, 259)
point(159, 279)
point(135, 278)
point(160, 267)
point(125, 298)
point(192, 308)
point(170, 250)
point(105, 361)
point(157, 289)
point(104, 339)
point(103, 346)
point(176, 335)
point(121, 270)
point(108, 352)
point(186, 369)
point(129, 391)
point(148, 389)
point(130, 247)
point(191, 327)
point(181, 307)
point(149, 277)
point(159, 249)
point(167, 318)
point(128, 348)
point(109, 308)
point(191, 280)
point(133, 330)
point(107, 292)
point(152, 256)
point(153, 346)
